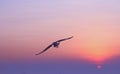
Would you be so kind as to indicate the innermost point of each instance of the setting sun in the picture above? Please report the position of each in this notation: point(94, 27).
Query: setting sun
point(99, 67)
point(98, 44)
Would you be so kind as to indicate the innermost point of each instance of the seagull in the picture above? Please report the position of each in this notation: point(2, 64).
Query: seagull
point(54, 44)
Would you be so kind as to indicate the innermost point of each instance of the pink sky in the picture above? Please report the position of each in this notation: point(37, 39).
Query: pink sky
point(28, 27)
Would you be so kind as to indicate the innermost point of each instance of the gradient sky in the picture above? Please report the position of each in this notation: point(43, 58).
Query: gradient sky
point(28, 26)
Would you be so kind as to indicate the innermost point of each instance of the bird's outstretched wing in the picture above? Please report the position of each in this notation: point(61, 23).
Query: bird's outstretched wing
point(64, 39)
point(45, 49)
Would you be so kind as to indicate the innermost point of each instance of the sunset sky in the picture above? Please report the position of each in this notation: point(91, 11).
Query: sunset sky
point(28, 26)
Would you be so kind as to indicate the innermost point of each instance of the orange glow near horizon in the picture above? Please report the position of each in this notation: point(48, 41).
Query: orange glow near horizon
point(98, 56)
point(98, 45)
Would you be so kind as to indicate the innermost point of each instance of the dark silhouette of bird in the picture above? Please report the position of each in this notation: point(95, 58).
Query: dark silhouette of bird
point(54, 44)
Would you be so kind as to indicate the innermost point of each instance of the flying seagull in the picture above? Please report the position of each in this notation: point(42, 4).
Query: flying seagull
point(54, 44)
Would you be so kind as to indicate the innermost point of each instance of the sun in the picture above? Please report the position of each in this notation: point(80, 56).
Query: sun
point(97, 53)
point(99, 66)
point(98, 45)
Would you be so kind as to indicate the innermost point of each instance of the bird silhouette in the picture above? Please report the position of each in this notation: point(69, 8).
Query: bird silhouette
point(54, 44)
